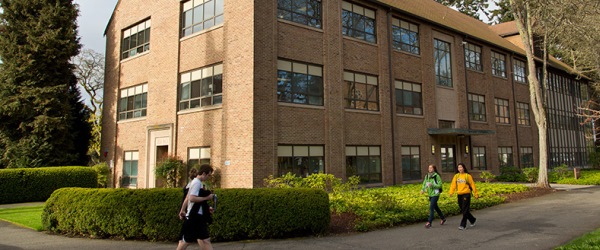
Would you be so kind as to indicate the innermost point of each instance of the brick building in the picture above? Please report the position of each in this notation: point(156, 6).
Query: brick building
point(378, 89)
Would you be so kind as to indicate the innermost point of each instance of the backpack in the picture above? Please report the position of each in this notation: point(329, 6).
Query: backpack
point(435, 181)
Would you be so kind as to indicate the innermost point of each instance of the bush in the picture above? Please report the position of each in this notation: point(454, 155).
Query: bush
point(170, 169)
point(531, 174)
point(103, 172)
point(587, 177)
point(562, 171)
point(326, 182)
point(37, 184)
point(153, 213)
point(487, 176)
point(511, 174)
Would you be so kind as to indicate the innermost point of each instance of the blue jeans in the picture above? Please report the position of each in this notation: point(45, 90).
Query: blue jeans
point(434, 206)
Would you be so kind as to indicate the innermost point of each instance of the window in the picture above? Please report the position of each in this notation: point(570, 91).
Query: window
point(358, 22)
point(198, 156)
point(411, 163)
point(405, 36)
point(526, 157)
point(520, 72)
point(476, 107)
point(361, 91)
point(133, 101)
point(136, 40)
point(408, 98)
point(502, 113)
point(443, 63)
point(498, 64)
point(299, 83)
point(130, 169)
point(199, 15)
point(523, 114)
point(447, 152)
point(202, 87)
point(445, 124)
point(505, 156)
point(364, 162)
point(473, 57)
point(307, 12)
point(300, 160)
point(479, 158)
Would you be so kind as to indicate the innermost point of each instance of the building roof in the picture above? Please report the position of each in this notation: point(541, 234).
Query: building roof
point(505, 29)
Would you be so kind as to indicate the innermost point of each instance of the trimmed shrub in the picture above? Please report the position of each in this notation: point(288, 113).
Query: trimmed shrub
point(510, 174)
point(153, 213)
point(531, 174)
point(37, 184)
point(487, 176)
point(103, 172)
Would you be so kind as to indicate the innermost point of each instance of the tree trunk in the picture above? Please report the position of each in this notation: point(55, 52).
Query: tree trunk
point(523, 19)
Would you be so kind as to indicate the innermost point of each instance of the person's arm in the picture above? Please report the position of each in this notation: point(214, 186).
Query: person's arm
point(194, 198)
point(452, 185)
point(424, 186)
point(473, 187)
point(183, 209)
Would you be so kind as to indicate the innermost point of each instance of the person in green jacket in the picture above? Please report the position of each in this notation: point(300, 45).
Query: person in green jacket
point(433, 185)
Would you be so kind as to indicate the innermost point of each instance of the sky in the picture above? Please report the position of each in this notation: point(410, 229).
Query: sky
point(92, 20)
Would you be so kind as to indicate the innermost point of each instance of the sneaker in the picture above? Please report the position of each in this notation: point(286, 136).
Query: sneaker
point(473, 224)
point(443, 221)
point(461, 228)
point(428, 225)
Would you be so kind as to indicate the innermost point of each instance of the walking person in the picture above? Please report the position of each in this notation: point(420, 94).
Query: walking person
point(463, 185)
point(432, 184)
point(197, 212)
point(192, 174)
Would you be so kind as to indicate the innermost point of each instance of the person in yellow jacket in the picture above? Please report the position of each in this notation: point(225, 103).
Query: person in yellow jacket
point(463, 185)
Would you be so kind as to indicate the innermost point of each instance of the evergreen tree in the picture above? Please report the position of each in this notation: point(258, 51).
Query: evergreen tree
point(42, 119)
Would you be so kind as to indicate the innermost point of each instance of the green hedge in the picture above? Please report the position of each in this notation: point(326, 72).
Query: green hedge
point(152, 213)
point(37, 184)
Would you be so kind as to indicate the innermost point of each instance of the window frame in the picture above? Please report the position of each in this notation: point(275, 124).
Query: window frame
point(479, 157)
point(525, 152)
point(473, 54)
point(498, 64)
point(313, 153)
point(405, 36)
point(352, 13)
point(126, 179)
point(480, 101)
point(520, 76)
point(132, 50)
point(217, 19)
point(414, 90)
point(294, 70)
point(352, 96)
point(189, 79)
point(413, 171)
point(315, 21)
point(523, 115)
point(505, 153)
point(355, 154)
point(502, 111)
point(447, 60)
point(132, 96)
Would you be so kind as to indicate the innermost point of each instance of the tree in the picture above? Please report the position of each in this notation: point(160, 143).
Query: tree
point(89, 70)
point(472, 8)
point(43, 118)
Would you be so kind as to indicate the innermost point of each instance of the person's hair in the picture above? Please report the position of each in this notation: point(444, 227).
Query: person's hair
point(464, 167)
point(205, 168)
point(193, 173)
point(434, 168)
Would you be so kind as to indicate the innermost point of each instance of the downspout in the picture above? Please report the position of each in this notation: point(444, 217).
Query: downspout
point(392, 87)
point(512, 80)
point(464, 42)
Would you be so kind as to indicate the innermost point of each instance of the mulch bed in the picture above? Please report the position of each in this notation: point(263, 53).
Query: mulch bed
point(344, 223)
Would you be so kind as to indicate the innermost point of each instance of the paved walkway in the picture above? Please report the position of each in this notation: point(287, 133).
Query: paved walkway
point(537, 223)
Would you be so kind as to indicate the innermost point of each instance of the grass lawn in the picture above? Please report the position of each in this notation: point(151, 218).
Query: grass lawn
point(587, 241)
point(30, 217)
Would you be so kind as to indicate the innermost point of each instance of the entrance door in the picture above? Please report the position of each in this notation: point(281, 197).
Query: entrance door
point(160, 146)
point(448, 158)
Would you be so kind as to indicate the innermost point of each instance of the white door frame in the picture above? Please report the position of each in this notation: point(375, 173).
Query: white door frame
point(157, 136)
